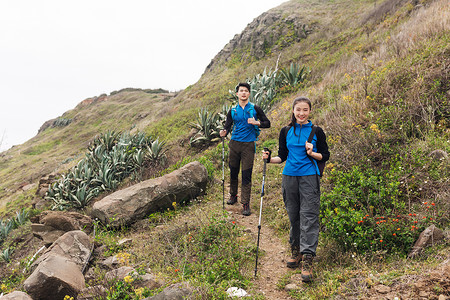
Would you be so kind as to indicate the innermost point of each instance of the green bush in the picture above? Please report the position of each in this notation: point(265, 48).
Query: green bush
point(365, 209)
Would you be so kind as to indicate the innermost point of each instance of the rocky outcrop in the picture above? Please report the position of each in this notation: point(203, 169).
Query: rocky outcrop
point(93, 100)
point(269, 32)
point(44, 184)
point(50, 225)
point(131, 204)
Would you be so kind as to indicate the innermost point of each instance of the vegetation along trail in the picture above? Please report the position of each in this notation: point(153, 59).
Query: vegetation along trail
point(271, 261)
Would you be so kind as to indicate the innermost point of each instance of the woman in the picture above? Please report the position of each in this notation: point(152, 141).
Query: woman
point(300, 183)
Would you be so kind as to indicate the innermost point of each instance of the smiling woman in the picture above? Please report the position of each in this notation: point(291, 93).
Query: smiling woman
point(51, 60)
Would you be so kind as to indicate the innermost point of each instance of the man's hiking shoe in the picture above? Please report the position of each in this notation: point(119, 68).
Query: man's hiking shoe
point(307, 268)
point(295, 259)
point(246, 209)
point(232, 200)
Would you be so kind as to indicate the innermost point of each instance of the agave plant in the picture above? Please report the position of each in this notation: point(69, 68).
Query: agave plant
point(156, 152)
point(5, 227)
point(82, 196)
point(294, 75)
point(6, 254)
point(21, 217)
point(112, 157)
point(209, 126)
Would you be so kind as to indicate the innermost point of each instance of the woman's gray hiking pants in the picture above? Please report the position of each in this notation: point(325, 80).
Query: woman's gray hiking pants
point(301, 197)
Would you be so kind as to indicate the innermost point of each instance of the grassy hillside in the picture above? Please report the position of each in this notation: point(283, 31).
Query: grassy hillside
point(380, 86)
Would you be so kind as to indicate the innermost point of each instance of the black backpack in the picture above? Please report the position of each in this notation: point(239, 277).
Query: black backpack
point(320, 164)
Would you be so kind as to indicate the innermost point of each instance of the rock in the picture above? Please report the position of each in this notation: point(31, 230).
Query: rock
point(120, 273)
point(424, 294)
point(291, 287)
point(124, 242)
point(16, 295)
point(50, 225)
point(66, 221)
point(74, 245)
point(438, 154)
point(382, 289)
point(442, 297)
point(429, 236)
point(133, 203)
point(176, 291)
point(55, 278)
point(44, 183)
point(110, 262)
point(46, 233)
point(93, 293)
point(29, 187)
point(148, 281)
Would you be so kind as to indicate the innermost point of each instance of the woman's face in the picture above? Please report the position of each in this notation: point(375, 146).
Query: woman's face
point(301, 112)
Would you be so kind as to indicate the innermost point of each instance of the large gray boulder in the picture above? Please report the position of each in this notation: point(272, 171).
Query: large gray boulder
point(74, 245)
point(55, 278)
point(16, 295)
point(131, 204)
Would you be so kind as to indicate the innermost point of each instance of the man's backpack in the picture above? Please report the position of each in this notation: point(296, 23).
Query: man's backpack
point(251, 112)
point(320, 164)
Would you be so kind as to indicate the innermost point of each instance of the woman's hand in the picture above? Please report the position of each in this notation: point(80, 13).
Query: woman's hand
point(309, 148)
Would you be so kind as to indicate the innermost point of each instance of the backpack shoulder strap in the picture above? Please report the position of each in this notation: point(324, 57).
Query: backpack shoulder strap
point(311, 135)
point(252, 111)
point(233, 111)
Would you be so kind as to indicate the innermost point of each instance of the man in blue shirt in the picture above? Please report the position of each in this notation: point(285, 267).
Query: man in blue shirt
point(244, 120)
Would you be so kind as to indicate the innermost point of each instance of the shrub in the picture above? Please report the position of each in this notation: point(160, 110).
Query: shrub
point(369, 210)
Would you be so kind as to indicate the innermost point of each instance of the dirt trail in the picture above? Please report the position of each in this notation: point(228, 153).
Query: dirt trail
point(271, 265)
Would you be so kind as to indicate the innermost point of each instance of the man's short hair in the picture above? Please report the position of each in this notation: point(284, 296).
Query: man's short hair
point(243, 84)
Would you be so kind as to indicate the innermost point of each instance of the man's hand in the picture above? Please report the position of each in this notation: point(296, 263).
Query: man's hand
point(223, 133)
point(253, 121)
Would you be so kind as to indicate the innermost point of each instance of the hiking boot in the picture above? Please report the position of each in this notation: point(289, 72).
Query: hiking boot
point(232, 200)
point(246, 209)
point(307, 268)
point(295, 259)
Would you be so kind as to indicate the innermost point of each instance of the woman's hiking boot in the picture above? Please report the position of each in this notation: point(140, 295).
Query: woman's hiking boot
point(232, 200)
point(307, 267)
point(246, 209)
point(295, 259)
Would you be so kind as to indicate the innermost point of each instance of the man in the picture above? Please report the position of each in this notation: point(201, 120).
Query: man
point(246, 119)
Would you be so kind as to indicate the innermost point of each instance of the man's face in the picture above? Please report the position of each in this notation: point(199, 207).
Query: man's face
point(243, 93)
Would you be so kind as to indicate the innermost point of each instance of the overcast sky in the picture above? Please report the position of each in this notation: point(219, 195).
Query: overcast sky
point(56, 53)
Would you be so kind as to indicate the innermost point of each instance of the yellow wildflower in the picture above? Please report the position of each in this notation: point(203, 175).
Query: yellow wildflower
point(128, 279)
point(139, 292)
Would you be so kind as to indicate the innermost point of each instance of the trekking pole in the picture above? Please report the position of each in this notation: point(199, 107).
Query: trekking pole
point(260, 211)
point(223, 173)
